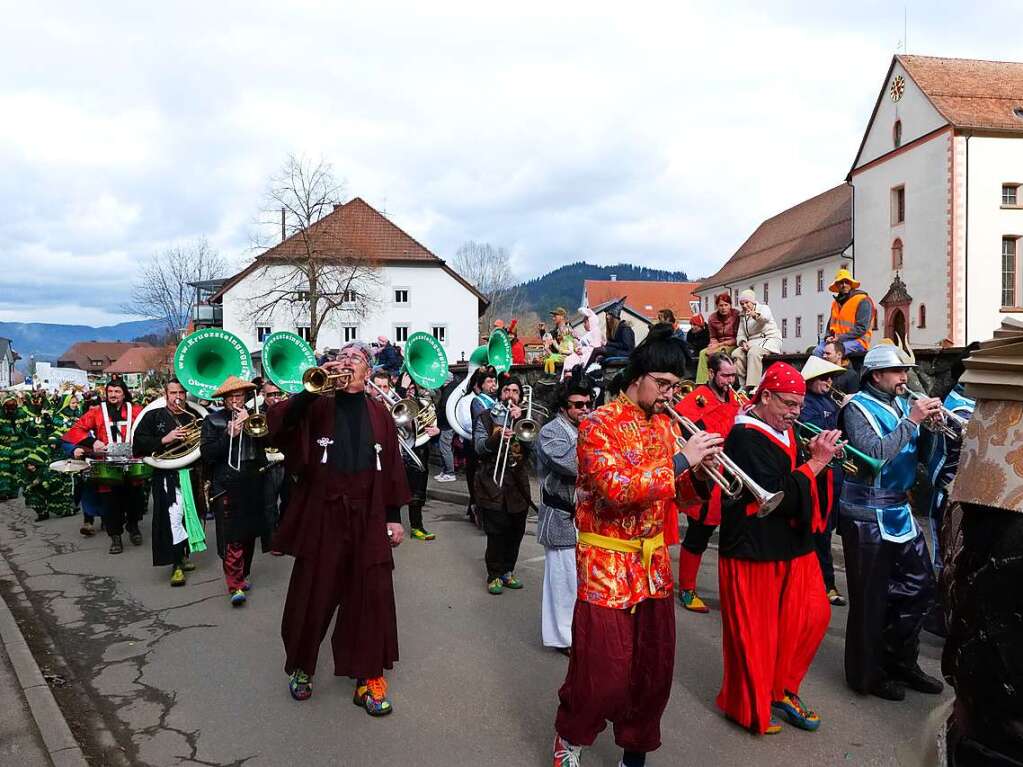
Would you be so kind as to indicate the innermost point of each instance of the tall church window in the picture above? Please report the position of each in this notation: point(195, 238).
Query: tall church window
point(897, 134)
point(897, 254)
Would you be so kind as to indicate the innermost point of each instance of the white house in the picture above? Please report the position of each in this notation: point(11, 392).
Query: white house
point(789, 261)
point(402, 288)
point(931, 221)
point(937, 198)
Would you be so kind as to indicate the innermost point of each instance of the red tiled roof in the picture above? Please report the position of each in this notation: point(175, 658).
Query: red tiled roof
point(645, 297)
point(82, 354)
point(970, 93)
point(818, 227)
point(141, 359)
point(353, 231)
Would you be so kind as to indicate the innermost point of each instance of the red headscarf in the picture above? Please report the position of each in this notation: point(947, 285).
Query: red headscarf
point(781, 377)
point(696, 321)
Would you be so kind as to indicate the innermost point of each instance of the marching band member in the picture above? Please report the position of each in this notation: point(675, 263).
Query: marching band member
point(344, 515)
point(484, 387)
point(556, 470)
point(275, 476)
point(821, 410)
point(711, 406)
point(773, 610)
point(887, 566)
point(631, 471)
point(157, 431)
point(418, 477)
point(10, 479)
point(503, 506)
point(235, 461)
point(101, 426)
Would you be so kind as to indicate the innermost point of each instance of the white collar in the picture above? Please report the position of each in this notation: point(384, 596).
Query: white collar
point(781, 436)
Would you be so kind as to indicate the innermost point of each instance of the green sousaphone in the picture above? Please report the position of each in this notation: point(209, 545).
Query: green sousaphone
point(204, 359)
point(286, 356)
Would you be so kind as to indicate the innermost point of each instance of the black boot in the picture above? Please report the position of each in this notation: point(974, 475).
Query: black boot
point(916, 679)
point(889, 689)
point(135, 537)
point(116, 545)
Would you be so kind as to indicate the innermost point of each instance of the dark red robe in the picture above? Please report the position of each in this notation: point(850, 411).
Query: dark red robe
point(336, 530)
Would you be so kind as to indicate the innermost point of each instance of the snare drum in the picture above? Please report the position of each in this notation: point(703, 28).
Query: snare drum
point(118, 472)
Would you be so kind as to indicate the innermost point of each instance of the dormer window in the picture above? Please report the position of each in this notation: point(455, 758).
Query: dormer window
point(897, 134)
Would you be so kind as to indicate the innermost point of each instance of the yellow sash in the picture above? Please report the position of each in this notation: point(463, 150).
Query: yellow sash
point(644, 546)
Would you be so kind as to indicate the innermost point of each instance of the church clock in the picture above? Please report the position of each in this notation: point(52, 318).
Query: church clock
point(897, 88)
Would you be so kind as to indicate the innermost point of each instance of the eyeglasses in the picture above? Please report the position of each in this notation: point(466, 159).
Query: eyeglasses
point(351, 357)
point(275, 395)
point(789, 404)
point(665, 386)
point(578, 405)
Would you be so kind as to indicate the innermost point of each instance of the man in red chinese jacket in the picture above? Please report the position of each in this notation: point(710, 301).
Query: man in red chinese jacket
point(713, 407)
point(631, 473)
point(92, 435)
point(344, 515)
point(774, 610)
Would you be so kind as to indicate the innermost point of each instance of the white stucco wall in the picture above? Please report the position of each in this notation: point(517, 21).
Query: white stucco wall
point(991, 162)
point(923, 170)
point(915, 111)
point(806, 306)
point(434, 298)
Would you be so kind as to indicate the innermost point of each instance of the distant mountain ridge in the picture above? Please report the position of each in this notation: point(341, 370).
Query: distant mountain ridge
point(564, 286)
point(47, 341)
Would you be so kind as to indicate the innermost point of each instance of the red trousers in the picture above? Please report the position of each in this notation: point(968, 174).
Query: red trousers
point(773, 615)
point(365, 638)
point(620, 671)
point(238, 563)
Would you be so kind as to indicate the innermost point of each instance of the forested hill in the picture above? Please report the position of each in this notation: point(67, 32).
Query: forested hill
point(564, 286)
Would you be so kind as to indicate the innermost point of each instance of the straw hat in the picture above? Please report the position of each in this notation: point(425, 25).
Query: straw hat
point(816, 367)
point(233, 384)
point(843, 274)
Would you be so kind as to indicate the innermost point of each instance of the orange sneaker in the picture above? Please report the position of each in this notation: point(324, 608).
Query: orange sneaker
point(371, 694)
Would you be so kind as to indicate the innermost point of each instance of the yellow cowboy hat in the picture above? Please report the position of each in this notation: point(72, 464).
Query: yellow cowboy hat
point(843, 274)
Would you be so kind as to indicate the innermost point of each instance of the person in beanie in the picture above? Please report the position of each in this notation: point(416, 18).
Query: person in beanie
point(631, 471)
point(773, 608)
point(505, 501)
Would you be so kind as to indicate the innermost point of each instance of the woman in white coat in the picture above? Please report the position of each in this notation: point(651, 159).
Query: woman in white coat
point(758, 336)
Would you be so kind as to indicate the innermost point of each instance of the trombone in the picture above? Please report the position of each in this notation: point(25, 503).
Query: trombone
point(404, 412)
point(726, 474)
point(525, 430)
point(952, 425)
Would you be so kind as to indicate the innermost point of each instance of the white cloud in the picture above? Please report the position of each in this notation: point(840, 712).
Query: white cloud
point(660, 134)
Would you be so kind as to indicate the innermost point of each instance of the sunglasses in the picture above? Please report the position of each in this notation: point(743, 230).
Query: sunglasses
point(579, 405)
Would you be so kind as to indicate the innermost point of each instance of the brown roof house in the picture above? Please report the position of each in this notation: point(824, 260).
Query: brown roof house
point(381, 282)
point(94, 356)
point(788, 262)
point(938, 193)
point(643, 297)
point(138, 362)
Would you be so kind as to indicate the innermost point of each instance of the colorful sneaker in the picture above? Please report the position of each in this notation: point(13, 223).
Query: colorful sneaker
point(792, 709)
point(177, 577)
point(422, 535)
point(565, 754)
point(509, 581)
point(692, 602)
point(246, 586)
point(495, 586)
point(371, 694)
point(300, 685)
point(238, 598)
point(773, 728)
point(188, 565)
point(835, 598)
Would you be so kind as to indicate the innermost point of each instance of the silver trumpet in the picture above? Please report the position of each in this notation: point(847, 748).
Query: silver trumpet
point(952, 425)
point(725, 473)
point(404, 412)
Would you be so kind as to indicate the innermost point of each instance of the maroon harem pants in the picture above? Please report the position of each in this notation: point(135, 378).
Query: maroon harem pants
point(620, 671)
point(773, 615)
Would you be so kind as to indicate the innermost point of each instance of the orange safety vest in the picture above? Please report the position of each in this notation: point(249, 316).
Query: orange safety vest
point(843, 317)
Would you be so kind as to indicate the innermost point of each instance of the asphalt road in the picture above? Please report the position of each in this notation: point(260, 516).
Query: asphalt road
point(161, 676)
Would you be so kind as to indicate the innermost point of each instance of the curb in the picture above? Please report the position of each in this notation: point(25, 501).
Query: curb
point(60, 744)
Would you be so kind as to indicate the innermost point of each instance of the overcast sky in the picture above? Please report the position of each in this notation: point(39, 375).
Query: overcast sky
point(654, 133)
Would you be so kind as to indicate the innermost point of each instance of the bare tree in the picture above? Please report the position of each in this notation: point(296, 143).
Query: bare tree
point(323, 271)
point(489, 269)
point(162, 291)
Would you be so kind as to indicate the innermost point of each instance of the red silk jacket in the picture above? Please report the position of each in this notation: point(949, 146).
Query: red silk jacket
point(626, 489)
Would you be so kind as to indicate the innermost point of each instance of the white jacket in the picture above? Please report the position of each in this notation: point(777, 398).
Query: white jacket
point(759, 330)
